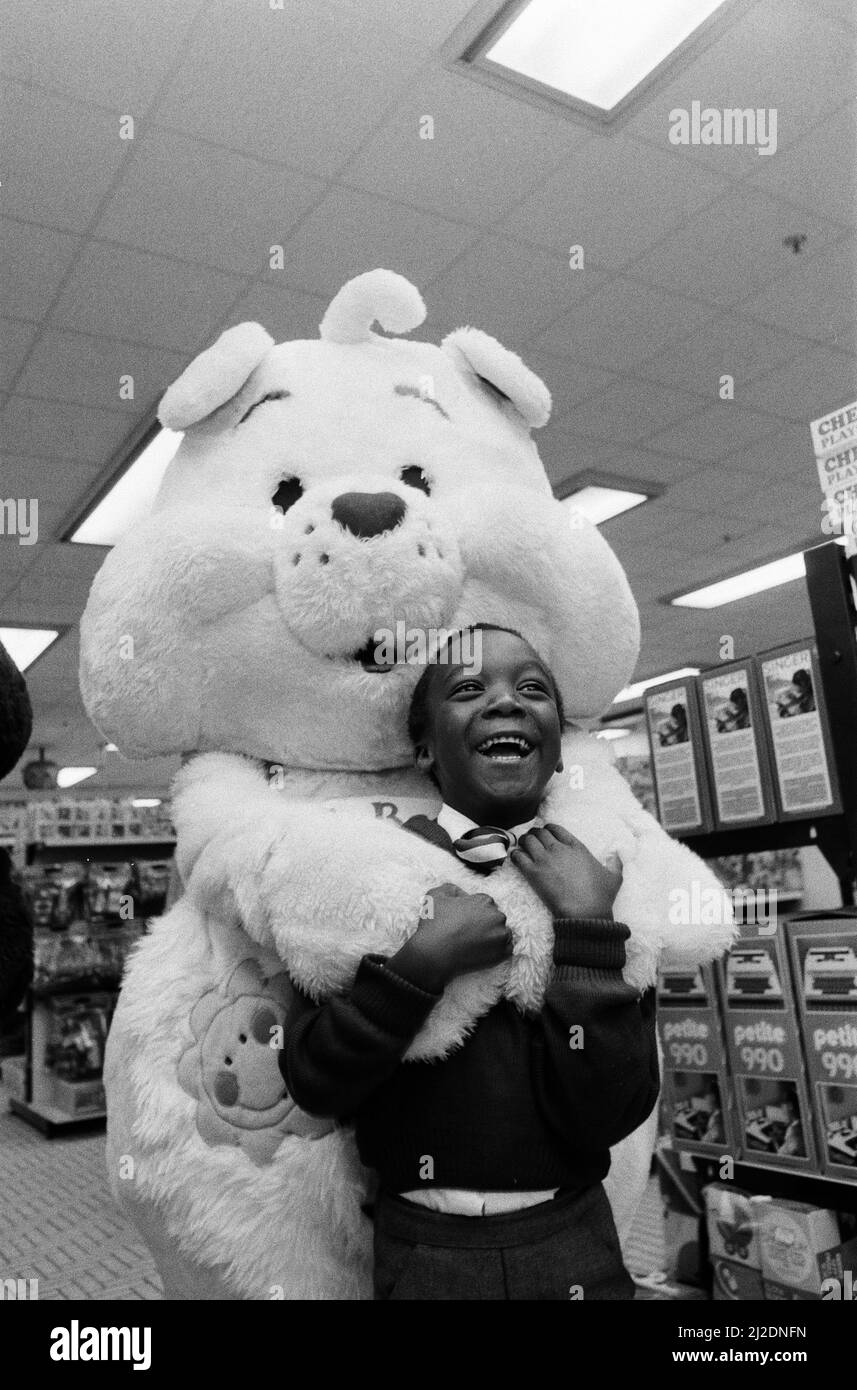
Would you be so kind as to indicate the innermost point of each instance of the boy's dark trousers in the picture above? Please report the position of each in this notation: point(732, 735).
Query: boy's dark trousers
point(565, 1249)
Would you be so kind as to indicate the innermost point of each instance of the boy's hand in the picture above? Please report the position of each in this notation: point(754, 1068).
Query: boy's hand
point(570, 881)
point(464, 932)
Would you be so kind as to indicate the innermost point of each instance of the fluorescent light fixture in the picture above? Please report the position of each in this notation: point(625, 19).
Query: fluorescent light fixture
point(26, 644)
point(142, 801)
point(613, 733)
point(596, 54)
point(753, 581)
point(633, 692)
point(131, 497)
point(70, 776)
point(599, 504)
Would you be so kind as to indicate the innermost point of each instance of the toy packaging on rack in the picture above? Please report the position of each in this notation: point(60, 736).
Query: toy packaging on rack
point(802, 1247)
point(78, 1030)
point(824, 958)
point(798, 733)
point(736, 749)
point(674, 727)
point(732, 1219)
point(696, 1097)
point(760, 1019)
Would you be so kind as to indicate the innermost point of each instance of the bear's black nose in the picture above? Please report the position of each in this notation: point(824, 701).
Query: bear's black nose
point(368, 513)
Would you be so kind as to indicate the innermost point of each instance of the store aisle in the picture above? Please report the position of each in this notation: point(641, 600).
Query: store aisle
point(62, 1227)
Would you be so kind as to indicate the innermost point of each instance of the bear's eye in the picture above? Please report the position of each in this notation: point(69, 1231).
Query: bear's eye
point(415, 477)
point(288, 493)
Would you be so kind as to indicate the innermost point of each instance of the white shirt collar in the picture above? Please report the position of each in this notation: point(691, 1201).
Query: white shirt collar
point(455, 824)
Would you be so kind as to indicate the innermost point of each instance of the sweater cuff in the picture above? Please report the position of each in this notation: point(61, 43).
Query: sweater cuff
point(392, 1003)
point(597, 943)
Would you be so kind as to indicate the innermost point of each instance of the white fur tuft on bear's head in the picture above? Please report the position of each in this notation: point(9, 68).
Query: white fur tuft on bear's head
point(379, 296)
point(325, 490)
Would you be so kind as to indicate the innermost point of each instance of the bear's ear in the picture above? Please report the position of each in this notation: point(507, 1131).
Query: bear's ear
point(215, 376)
point(502, 372)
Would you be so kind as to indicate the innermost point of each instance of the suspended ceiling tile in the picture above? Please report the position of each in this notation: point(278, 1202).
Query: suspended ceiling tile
point(780, 57)
point(812, 386)
point(303, 85)
point(131, 294)
point(111, 51)
point(33, 261)
point(634, 462)
point(818, 173)
point(86, 369)
point(714, 433)
point(818, 298)
point(622, 323)
point(206, 204)
point(286, 314)
point(487, 149)
point(631, 411)
point(508, 290)
point(59, 157)
point(612, 200)
point(731, 250)
point(71, 432)
point(23, 475)
point(728, 344)
point(568, 382)
point(16, 339)
point(350, 232)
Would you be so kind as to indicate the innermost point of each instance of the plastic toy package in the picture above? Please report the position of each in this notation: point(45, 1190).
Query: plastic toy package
point(78, 1031)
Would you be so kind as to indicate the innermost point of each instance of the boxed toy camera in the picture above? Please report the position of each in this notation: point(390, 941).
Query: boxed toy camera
point(802, 1247)
point(797, 731)
point(736, 747)
point(732, 1218)
point(774, 1118)
point(678, 758)
point(695, 1100)
point(824, 958)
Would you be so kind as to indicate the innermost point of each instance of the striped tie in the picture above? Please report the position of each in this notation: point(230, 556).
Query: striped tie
point(485, 847)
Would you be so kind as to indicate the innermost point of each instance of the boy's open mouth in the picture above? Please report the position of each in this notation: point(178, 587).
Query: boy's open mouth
point(505, 748)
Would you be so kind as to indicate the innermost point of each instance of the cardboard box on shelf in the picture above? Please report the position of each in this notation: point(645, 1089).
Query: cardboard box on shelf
point(78, 1097)
point(736, 748)
point(801, 1247)
point(732, 1217)
point(772, 1105)
point(696, 1093)
point(824, 962)
point(674, 729)
point(735, 1282)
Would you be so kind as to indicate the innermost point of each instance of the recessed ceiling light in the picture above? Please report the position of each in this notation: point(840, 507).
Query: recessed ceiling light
point(753, 581)
point(142, 801)
point(131, 496)
point(26, 644)
point(633, 692)
point(595, 54)
point(599, 504)
point(70, 776)
point(111, 748)
point(612, 733)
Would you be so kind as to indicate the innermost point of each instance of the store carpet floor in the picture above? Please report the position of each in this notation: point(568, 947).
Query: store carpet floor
point(59, 1224)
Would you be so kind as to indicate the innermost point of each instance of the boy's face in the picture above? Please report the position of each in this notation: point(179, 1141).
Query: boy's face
point(493, 739)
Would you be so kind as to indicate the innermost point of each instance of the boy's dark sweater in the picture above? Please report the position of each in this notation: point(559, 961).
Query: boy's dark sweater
point(516, 1106)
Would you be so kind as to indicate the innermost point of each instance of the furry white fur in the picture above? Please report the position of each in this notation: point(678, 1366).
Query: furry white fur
point(230, 629)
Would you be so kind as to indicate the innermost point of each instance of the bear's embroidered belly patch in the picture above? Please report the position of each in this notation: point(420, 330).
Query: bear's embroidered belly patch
point(231, 1067)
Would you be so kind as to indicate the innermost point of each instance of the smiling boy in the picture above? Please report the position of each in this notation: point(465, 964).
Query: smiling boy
point(518, 1122)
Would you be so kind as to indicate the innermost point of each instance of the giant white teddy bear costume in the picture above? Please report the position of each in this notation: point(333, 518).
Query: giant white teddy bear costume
point(325, 490)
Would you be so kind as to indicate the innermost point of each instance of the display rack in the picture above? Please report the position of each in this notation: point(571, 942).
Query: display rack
point(830, 577)
point(830, 574)
point(38, 1104)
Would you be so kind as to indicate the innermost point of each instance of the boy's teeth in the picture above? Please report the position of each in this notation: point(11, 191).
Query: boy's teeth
point(508, 743)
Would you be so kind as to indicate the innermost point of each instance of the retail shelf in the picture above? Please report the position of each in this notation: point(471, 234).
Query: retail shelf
point(52, 1121)
point(104, 850)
